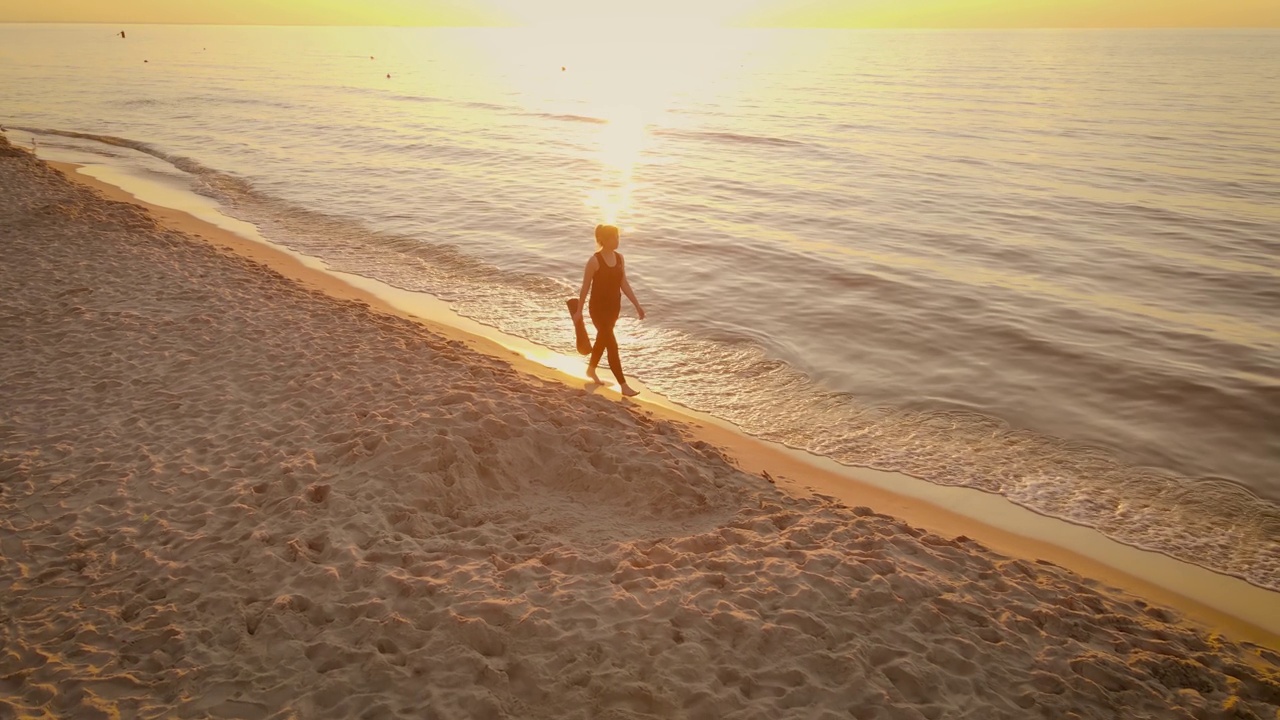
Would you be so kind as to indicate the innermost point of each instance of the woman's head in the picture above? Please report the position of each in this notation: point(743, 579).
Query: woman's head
point(607, 237)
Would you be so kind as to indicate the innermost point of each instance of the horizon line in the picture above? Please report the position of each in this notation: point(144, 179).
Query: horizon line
point(726, 26)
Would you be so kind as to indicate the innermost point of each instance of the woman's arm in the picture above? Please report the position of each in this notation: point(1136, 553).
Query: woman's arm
point(626, 290)
point(587, 274)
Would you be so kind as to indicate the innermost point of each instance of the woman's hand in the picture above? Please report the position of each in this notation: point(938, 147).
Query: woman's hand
point(639, 312)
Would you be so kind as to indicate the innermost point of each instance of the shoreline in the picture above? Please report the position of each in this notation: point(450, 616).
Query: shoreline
point(228, 493)
point(1235, 608)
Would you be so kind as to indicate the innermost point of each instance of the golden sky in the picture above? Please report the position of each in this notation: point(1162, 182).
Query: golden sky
point(624, 13)
point(254, 12)
point(1022, 13)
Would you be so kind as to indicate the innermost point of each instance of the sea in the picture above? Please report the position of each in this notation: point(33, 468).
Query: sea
point(1041, 263)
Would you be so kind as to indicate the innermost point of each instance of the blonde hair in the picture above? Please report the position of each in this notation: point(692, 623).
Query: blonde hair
point(607, 237)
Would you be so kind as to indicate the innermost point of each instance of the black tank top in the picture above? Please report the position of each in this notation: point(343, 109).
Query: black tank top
point(606, 286)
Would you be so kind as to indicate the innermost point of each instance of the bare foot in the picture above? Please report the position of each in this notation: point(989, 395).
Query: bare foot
point(629, 391)
point(591, 373)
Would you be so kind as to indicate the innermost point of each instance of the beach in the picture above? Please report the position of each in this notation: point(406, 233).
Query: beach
point(228, 491)
point(1034, 277)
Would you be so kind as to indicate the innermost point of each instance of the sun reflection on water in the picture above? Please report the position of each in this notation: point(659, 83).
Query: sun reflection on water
point(617, 88)
point(621, 142)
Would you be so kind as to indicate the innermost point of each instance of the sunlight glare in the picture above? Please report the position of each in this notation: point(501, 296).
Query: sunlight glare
point(617, 88)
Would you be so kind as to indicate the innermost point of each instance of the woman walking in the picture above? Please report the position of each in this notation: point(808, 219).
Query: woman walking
point(606, 279)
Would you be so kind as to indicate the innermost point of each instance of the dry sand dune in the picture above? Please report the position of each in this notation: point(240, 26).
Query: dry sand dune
point(225, 495)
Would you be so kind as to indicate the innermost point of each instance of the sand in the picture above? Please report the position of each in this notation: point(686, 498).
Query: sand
point(225, 493)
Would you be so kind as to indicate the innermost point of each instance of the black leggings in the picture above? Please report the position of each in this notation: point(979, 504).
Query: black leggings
point(605, 340)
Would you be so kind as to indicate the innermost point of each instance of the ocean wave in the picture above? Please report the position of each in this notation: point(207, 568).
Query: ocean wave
point(256, 101)
point(570, 118)
point(415, 98)
point(730, 137)
point(140, 102)
point(214, 181)
point(485, 105)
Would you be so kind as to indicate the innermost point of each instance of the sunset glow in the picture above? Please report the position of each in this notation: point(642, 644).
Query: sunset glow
point(618, 14)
